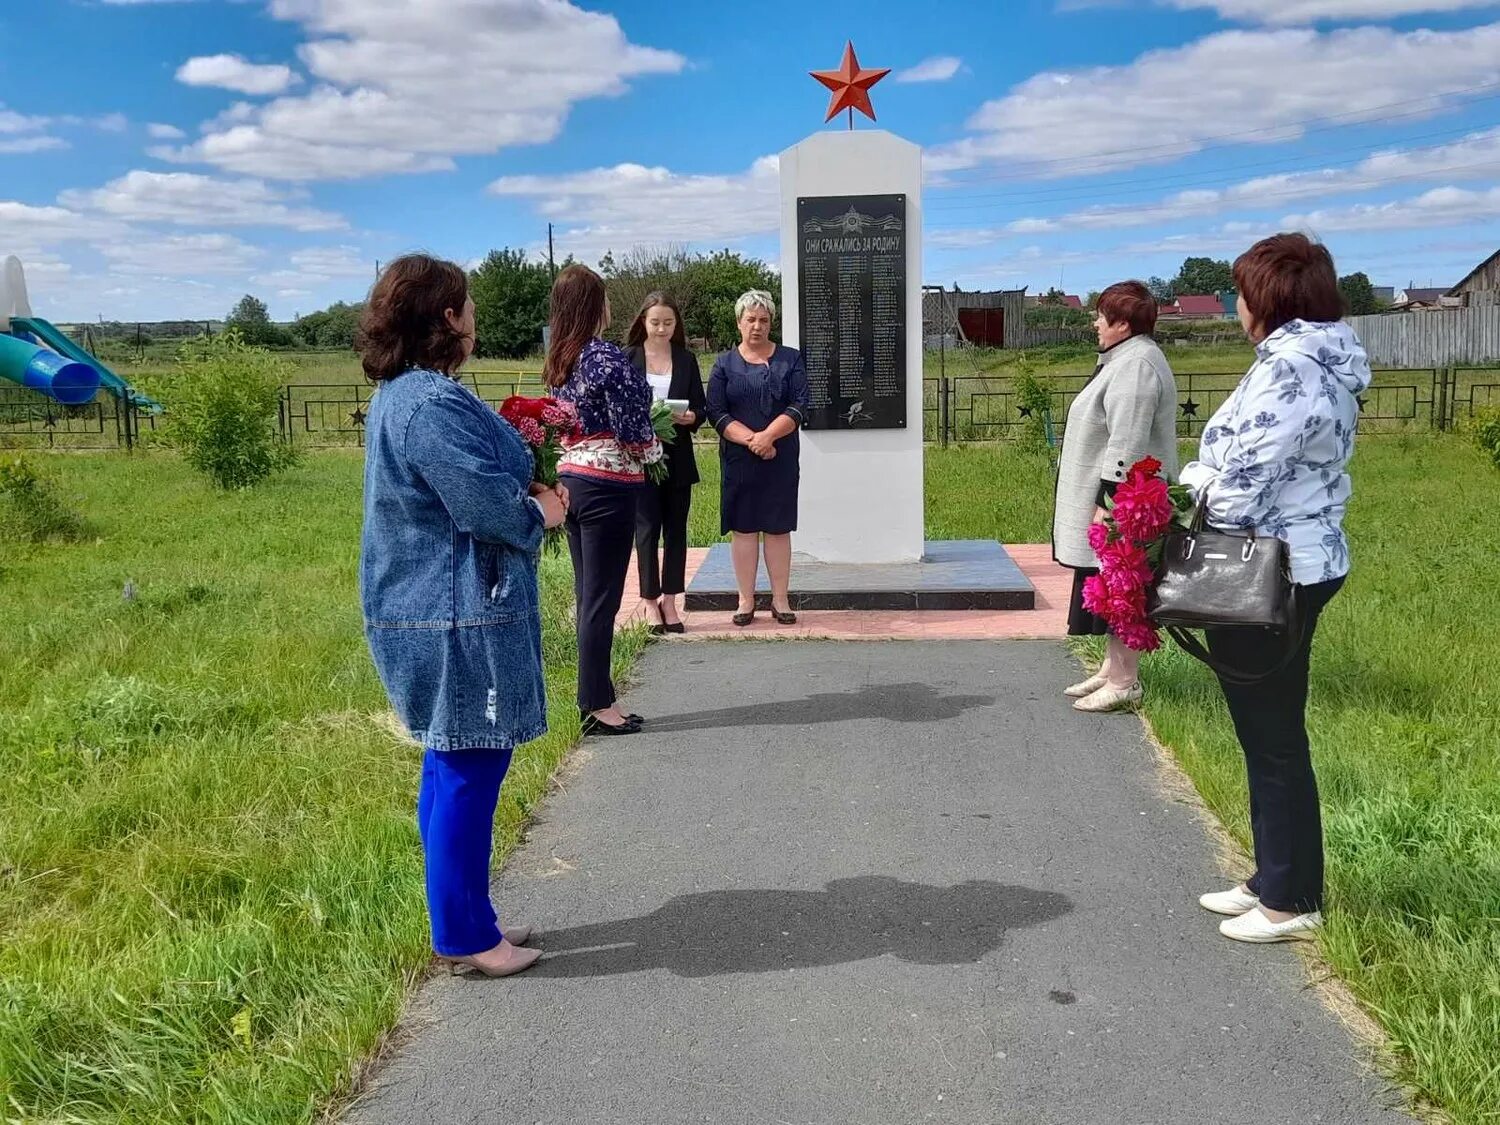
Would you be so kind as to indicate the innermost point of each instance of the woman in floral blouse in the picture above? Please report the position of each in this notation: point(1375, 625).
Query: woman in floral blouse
point(604, 471)
point(1275, 458)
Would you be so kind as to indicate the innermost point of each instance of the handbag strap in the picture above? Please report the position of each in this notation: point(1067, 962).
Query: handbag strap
point(1196, 649)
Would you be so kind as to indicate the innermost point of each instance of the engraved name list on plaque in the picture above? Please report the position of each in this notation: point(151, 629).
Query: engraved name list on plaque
point(851, 269)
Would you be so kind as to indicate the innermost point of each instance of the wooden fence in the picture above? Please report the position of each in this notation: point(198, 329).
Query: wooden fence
point(1431, 339)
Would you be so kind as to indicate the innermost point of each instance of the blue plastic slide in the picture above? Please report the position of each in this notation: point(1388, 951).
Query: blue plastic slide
point(60, 343)
point(57, 376)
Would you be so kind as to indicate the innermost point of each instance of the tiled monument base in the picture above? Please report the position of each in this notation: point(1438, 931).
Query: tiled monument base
point(954, 574)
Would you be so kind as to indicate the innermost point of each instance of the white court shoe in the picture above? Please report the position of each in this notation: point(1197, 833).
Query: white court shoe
point(1087, 687)
point(1255, 928)
point(1111, 699)
point(1233, 902)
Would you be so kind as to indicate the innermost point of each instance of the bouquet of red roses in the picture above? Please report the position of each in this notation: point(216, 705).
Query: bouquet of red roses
point(1142, 511)
point(543, 424)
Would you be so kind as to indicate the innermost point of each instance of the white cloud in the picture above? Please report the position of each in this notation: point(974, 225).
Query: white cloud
point(232, 72)
point(24, 145)
point(405, 87)
point(1440, 207)
point(1288, 12)
point(630, 204)
point(13, 122)
point(189, 199)
point(1476, 156)
point(1240, 87)
point(316, 265)
point(162, 132)
point(182, 255)
point(939, 68)
point(24, 225)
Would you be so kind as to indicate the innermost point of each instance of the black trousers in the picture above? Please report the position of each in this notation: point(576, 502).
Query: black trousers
point(1270, 718)
point(601, 519)
point(661, 516)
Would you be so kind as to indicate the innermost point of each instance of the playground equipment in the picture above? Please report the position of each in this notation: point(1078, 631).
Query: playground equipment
point(35, 354)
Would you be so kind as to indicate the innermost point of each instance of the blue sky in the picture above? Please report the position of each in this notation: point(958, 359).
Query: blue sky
point(160, 157)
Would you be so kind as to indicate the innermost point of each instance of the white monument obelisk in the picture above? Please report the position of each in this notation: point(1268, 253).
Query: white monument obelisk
point(861, 491)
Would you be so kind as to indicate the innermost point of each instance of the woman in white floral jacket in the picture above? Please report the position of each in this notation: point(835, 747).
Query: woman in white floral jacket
point(1274, 458)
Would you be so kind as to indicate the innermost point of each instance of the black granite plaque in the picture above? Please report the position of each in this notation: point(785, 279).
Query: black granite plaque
point(851, 271)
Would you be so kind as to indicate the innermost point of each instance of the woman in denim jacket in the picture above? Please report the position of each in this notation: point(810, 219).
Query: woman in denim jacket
point(448, 585)
point(1275, 458)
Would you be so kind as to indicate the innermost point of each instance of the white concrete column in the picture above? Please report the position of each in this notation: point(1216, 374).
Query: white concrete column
point(861, 493)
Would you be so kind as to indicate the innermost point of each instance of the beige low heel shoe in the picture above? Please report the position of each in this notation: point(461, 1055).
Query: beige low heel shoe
point(1111, 699)
point(1085, 687)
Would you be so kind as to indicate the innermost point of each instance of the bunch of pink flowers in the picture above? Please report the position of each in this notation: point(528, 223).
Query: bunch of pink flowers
point(1128, 543)
point(544, 424)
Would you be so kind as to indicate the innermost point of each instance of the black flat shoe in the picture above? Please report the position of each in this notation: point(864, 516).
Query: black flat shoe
point(636, 719)
point(593, 726)
point(743, 619)
point(657, 630)
point(676, 627)
point(784, 618)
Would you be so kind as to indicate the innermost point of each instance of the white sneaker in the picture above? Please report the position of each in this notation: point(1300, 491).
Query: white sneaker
point(1087, 687)
point(1233, 902)
point(1111, 699)
point(1256, 928)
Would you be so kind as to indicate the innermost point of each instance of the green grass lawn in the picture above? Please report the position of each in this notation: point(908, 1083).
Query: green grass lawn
point(210, 897)
point(210, 882)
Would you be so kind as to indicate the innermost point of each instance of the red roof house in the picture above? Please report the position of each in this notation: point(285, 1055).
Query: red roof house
point(1200, 308)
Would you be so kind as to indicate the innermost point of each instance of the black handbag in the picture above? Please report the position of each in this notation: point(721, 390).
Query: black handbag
point(1225, 579)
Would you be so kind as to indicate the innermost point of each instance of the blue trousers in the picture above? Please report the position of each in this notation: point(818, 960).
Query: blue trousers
point(456, 816)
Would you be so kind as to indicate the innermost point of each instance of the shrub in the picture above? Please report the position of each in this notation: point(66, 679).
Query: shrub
point(1033, 395)
point(1484, 431)
point(221, 405)
point(31, 509)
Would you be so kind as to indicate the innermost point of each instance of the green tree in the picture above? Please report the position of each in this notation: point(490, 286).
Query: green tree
point(642, 270)
point(1203, 277)
point(1359, 294)
point(253, 320)
point(1092, 302)
point(1053, 296)
point(333, 327)
point(510, 303)
point(1160, 288)
point(718, 279)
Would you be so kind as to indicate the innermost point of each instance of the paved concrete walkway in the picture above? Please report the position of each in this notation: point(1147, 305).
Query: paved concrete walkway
point(871, 883)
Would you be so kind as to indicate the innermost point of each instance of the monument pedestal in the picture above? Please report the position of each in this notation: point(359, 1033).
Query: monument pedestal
point(952, 574)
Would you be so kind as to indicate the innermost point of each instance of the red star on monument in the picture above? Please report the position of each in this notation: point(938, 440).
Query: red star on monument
point(850, 84)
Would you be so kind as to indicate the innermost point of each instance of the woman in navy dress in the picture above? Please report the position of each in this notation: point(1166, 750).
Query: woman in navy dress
point(757, 400)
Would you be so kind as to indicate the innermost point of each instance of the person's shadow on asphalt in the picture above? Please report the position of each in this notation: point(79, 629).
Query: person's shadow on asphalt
point(899, 703)
point(759, 931)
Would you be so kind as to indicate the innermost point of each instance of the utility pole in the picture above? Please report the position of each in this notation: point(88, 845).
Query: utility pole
point(551, 262)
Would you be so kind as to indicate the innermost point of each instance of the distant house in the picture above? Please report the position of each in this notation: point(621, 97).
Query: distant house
point(1419, 300)
point(1069, 301)
point(989, 319)
point(1168, 310)
point(1229, 300)
point(1195, 307)
point(1481, 286)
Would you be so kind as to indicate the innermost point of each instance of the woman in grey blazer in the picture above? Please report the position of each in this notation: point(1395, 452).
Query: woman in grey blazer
point(1127, 411)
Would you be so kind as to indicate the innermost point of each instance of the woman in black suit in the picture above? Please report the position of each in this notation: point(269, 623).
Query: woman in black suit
point(657, 345)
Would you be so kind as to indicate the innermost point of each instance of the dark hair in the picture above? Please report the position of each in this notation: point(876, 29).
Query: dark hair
point(404, 323)
point(658, 297)
point(576, 313)
point(1129, 302)
point(1288, 277)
